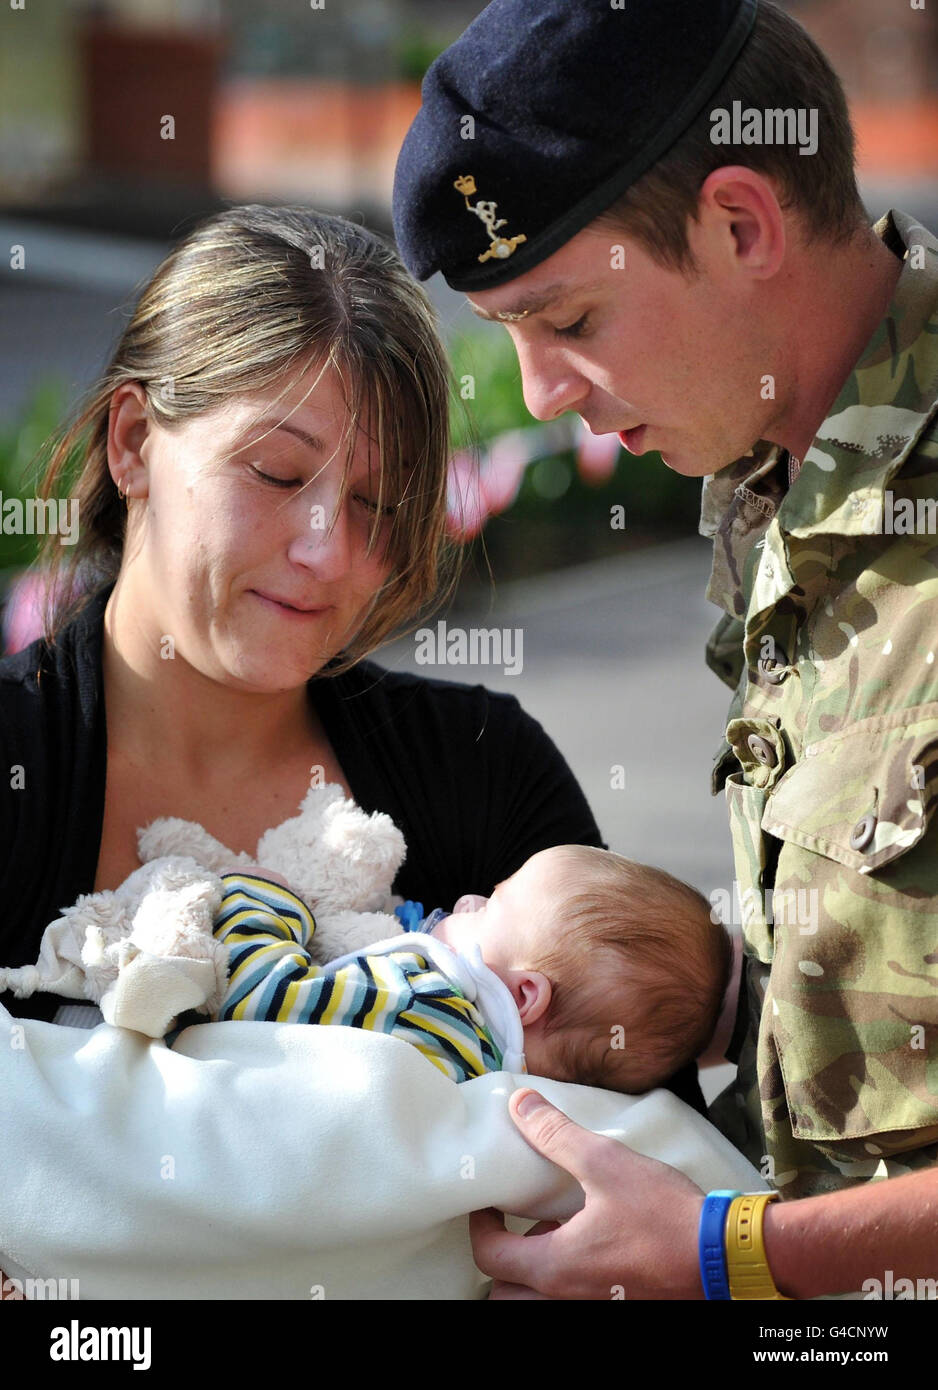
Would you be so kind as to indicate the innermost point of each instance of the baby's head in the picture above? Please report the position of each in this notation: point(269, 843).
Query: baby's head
point(617, 969)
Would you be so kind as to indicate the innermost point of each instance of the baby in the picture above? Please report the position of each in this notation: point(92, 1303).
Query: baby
point(582, 966)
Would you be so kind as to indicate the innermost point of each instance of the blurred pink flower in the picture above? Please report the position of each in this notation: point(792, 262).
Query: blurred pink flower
point(465, 507)
point(503, 470)
point(24, 609)
point(596, 454)
point(22, 615)
point(479, 490)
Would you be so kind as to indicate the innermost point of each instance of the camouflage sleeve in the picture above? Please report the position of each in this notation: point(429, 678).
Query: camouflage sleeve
point(724, 651)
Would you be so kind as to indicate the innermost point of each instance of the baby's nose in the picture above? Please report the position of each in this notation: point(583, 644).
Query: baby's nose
point(470, 902)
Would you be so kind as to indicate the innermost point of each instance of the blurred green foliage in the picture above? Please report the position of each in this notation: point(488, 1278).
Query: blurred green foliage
point(415, 49)
point(23, 455)
point(656, 499)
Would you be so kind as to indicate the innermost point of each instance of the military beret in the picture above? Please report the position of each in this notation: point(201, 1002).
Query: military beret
point(571, 101)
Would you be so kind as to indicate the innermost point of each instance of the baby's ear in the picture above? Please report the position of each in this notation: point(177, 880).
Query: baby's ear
point(532, 992)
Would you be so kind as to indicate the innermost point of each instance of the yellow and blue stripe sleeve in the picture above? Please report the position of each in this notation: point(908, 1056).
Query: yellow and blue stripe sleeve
point(267, 929)
point(272, 977)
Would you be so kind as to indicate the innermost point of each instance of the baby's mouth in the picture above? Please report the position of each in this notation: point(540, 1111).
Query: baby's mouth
point(470, 902)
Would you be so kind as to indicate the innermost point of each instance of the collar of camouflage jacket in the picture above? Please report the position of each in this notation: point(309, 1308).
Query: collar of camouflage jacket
point(882, 410)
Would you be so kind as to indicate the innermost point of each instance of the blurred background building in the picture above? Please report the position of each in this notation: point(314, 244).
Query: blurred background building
point(280, 100)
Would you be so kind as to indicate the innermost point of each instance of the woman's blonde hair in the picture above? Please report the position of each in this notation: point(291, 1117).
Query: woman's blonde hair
point(249, 295)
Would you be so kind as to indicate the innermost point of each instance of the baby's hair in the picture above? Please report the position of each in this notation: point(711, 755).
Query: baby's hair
point(638, 974)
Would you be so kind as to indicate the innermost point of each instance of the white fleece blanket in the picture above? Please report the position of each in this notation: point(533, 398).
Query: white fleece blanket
point(282, 1161)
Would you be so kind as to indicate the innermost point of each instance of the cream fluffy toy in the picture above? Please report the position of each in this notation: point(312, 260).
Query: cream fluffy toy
point(145, 951)
point(340, 860)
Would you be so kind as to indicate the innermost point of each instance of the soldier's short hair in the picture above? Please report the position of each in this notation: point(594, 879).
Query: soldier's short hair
point(780, 68)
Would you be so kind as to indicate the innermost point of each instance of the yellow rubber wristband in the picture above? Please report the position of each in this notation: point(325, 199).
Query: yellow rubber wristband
point(746, 1265)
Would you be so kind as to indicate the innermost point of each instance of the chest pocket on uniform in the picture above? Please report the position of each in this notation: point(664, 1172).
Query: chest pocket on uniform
point(852, 1005)
point(863, 797)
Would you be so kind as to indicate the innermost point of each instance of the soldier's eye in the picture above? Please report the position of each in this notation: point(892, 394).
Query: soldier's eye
point(573, 330)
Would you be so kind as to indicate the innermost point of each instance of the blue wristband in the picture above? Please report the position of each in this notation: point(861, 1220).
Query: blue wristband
point(711, 1243)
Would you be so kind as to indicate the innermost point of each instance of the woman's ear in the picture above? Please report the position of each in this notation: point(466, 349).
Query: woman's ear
point(127, 428)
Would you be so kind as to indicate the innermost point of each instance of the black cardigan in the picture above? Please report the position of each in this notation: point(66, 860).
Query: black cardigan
point(474, 784)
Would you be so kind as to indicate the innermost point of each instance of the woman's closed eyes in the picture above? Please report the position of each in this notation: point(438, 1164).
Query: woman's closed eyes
point(369, 504)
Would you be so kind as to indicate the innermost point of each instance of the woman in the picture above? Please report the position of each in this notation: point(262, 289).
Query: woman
point(262, 497)
point(261, 502)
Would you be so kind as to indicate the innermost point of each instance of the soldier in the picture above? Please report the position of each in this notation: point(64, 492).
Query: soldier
point(729, 306)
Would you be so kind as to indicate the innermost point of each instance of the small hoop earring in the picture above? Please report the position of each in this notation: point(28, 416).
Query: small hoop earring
point(120, 491)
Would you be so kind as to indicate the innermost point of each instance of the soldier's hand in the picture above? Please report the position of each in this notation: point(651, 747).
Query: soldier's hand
point(635, 1237)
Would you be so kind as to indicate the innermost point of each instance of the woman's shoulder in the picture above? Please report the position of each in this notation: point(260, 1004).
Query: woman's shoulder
point(438, 726)
point(52, 757)
point(26, 667)
point(372, 685)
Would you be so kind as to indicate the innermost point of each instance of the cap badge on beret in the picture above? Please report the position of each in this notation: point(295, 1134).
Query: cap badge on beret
point(501, 247)
point(572, 103)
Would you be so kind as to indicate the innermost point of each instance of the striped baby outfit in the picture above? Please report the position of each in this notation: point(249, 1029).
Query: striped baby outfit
point(408, 986)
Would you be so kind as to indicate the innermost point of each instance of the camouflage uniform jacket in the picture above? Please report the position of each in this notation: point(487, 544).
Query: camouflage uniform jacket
point(830, 763)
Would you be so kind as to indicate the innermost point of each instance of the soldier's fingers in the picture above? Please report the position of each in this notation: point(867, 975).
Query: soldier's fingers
point(507, 1257)
point(503, 1292)
point(542, 1228)
point(582, 1153)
